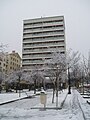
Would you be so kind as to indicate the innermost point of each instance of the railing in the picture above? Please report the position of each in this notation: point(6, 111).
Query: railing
point(44, 30)
point(43, 24)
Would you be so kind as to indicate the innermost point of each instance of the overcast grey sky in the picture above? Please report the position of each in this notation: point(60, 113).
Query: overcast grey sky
point(76, 13)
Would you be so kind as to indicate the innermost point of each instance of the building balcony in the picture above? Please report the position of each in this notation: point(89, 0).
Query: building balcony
point(43, 45)
point(48, 49)
point(42, 40)
point(28, 63)
point(43, 36)
point(27, 31)
point(42, 25)
point(42, 57)
point(43, 19)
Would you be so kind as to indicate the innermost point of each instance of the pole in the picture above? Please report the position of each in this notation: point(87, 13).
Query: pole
point(19, 88)
point(69, 82)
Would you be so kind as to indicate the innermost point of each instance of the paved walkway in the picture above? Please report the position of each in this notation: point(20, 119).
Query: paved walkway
point(12, 97)
point(61, 98)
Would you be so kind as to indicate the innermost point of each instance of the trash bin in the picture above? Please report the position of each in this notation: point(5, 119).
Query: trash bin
point(43, 98)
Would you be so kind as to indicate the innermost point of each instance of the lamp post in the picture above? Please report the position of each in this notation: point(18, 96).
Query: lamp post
point(19, 87)
point(69, 82)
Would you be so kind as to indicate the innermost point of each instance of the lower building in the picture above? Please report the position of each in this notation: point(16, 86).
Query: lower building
point(10, 62)
point(13, 62)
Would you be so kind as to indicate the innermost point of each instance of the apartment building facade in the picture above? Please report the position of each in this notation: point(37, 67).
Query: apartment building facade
point(41, 37)
point(10, 62)
point(0, 64)
point(3, 63)
point(14, 62)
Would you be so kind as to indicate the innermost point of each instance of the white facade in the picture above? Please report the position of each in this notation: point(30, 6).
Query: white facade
point(9, 62)
point(41, 37)
point(3, 63)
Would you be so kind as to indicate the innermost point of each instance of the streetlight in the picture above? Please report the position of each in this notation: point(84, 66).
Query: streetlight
point(69, 82)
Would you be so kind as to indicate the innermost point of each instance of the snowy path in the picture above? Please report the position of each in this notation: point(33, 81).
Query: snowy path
point(72, 108)
point(20, 110)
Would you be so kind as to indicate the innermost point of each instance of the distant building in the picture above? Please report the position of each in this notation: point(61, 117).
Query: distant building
point(3, 62)
point(10, 62)
point(41, 37)
point(89, 62)
point(0, 64)
point(14, 62)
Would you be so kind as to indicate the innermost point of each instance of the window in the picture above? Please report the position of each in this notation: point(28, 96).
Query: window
point(10, 67)
point(4, 64)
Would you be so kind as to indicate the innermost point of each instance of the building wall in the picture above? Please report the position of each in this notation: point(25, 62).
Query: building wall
point(41, 37)
point(10, 62)
point(0, 64)
point(14, 62)
point(3, 63)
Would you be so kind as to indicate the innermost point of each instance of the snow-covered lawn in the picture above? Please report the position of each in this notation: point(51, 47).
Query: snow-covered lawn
point(6, 97)
point(21, 110)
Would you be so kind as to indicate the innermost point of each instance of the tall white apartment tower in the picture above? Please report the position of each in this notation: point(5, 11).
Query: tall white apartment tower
point(41, 37)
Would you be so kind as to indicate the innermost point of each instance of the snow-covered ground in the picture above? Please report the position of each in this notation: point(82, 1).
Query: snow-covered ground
point(74, 108)
point(6, 97)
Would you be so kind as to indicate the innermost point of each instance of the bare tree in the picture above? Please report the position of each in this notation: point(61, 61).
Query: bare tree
point(86, 71)
point(2, 55)
point(82, 71)
point(19, 74)
point(38, 77)
point(76, 75)
point(86, 62)
point(72, 58)
point(58, 65)
point(1, 80)
point(28, 78)
point(55, 67)
point(2, 48)
point(15, 77)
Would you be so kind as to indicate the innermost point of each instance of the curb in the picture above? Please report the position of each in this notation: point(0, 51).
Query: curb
point(47, 108)
point(16, 100)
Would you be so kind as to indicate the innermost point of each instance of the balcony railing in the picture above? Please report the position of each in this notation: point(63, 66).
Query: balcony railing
point(44, 45)
point(26, 31)
point(42, 25)
point(43, 35)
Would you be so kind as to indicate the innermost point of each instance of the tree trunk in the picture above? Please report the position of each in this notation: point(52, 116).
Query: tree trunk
point(29, 87)
point(57, 88)
point(56, 98)
point(83, 87)
point(0, 88)
point(35, 87)
point(53, 95)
